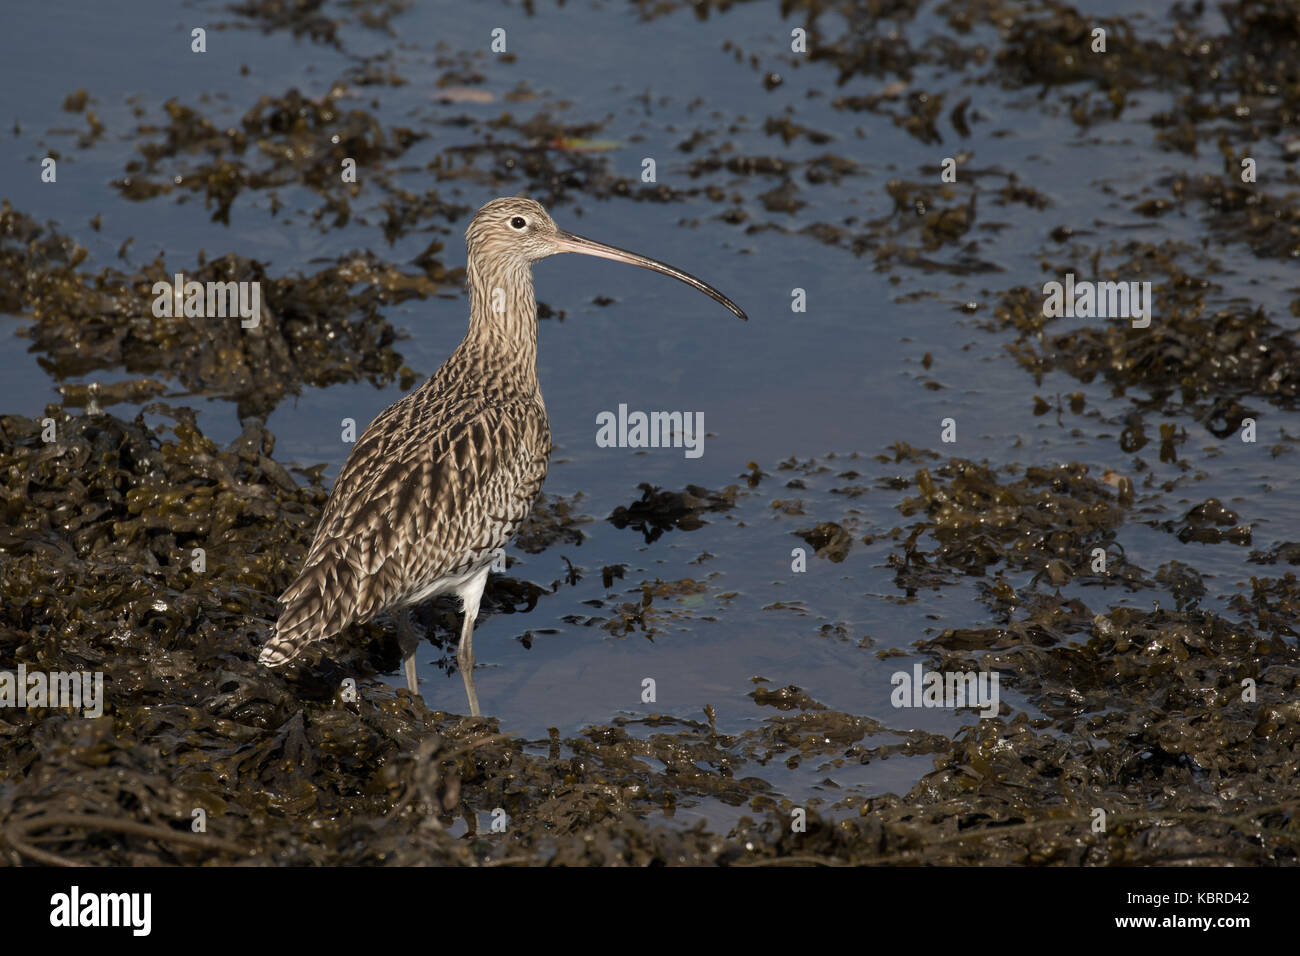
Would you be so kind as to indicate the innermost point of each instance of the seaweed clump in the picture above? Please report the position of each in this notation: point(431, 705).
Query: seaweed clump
point(312, 330)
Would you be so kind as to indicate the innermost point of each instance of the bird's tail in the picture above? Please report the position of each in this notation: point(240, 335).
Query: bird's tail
point(281, 648)
point(307, 617)
point(288, 639)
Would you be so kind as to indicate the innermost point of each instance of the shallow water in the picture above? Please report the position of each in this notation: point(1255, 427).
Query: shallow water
point(846, 376)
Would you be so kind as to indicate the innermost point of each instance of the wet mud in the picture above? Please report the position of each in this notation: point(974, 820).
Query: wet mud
point(1143, 711)
point(134, 545)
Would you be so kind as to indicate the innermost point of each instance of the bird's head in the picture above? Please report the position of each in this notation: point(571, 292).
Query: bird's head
point(518, 232)
point(515, 230)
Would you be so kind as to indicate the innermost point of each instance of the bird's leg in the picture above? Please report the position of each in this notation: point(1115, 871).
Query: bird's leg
point(409, 640)
point(465, 653)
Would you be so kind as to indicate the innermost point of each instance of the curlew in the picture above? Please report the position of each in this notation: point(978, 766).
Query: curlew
point(440, 481)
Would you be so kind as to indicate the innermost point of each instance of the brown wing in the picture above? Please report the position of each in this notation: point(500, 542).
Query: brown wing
point(420, 496)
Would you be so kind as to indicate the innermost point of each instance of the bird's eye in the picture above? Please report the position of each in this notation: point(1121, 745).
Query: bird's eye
point(519, 222)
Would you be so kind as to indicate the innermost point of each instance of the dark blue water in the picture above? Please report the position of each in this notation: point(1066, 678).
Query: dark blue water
point(843, 377)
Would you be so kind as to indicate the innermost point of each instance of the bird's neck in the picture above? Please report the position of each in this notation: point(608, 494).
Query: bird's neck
point(503, 317)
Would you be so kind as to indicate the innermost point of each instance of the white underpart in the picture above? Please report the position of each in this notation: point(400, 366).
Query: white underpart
point(467, 586)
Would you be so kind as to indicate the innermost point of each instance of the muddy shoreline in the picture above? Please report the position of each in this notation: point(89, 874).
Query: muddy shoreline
point(1132, 733)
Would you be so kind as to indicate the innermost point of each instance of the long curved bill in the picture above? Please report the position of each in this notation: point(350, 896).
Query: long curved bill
point(568, 242)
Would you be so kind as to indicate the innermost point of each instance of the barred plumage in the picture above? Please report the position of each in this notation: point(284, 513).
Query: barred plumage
point(440, 481)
